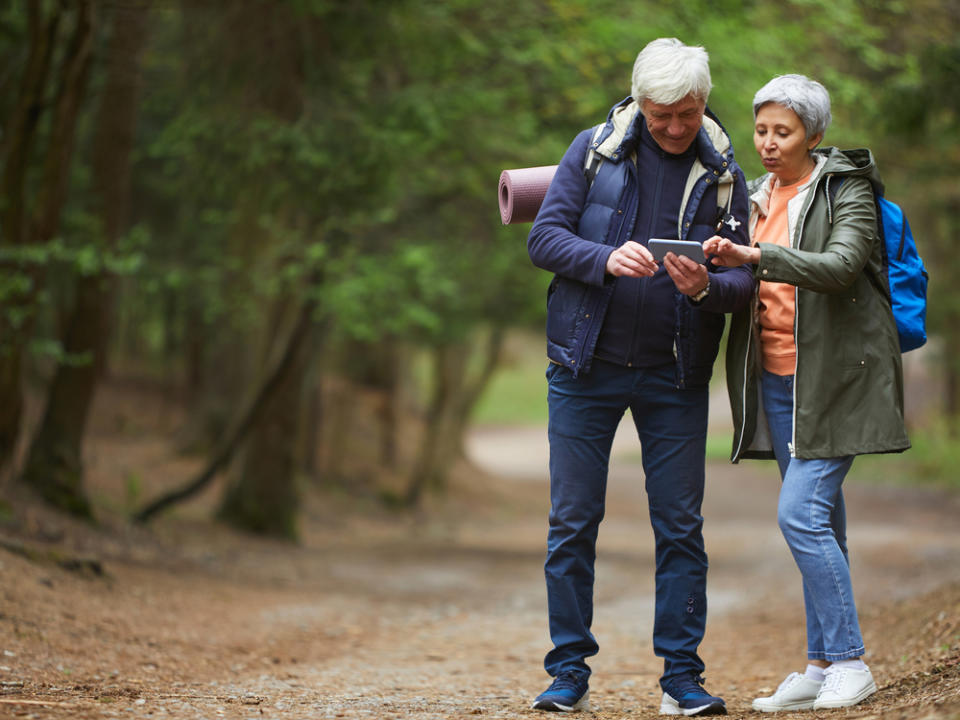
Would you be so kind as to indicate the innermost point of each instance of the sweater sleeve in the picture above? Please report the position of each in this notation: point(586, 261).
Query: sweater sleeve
point(553, 243)
point(837, 266)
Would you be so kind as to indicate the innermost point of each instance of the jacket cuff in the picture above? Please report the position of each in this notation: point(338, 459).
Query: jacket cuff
point(768, 267)
point(600, 276)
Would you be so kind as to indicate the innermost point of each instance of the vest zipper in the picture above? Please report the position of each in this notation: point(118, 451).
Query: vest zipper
point(593, 315)
point(795, 244)
point(743, 392)
point(651, 226)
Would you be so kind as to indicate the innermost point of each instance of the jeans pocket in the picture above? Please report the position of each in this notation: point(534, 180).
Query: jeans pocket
point(553, 371)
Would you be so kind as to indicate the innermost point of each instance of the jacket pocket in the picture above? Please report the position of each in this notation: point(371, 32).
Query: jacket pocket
point(565, 310)
point(849, 324)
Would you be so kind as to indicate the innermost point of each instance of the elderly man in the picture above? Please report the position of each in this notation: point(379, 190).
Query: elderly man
point(624, 331)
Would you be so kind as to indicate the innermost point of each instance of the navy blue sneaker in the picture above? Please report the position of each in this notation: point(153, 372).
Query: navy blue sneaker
point(568, 693)
point(684, 695)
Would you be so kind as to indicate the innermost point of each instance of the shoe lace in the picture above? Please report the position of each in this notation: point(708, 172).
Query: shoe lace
point(690, 684)
point(567, 681)
point(833, 678)
point(790, 681)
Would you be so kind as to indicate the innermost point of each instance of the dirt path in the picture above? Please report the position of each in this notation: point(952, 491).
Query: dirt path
point(443, 616)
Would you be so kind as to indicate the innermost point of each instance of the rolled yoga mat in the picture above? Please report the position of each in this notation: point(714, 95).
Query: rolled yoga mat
point(521, 192)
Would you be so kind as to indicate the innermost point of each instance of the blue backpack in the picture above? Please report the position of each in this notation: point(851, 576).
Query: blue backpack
point(904, 280)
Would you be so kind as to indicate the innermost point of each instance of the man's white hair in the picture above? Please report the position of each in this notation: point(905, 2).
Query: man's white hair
point(807, 98)
point(666, 71)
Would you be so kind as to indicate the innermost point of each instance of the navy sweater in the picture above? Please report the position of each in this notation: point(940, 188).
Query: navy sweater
point(639, 325)
point(650, 317)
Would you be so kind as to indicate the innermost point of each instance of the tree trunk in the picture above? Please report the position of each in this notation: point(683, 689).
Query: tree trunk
point(18, 141)
point(437, 444)
point(388, 411)
point(264, 497)
point(41, 224)
point(54, 467)
point(248, 416)
point(341, 407)
point(454, 396)
point(492, 351)
point(311, 423)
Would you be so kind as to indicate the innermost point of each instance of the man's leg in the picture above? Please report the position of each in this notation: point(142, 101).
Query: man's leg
point(584, 414)
point(672, 426)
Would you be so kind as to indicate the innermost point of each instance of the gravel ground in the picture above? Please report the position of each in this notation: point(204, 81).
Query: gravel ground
point(442, 614)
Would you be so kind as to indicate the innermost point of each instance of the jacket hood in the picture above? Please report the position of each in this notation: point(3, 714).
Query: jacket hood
point(858, 162)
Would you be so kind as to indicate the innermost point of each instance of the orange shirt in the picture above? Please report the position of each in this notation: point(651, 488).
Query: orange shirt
point(778, 300)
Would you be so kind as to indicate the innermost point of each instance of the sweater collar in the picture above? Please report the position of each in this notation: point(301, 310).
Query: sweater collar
point(761, 196)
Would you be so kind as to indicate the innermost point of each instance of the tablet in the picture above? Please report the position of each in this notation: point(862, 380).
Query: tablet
point(693, 250)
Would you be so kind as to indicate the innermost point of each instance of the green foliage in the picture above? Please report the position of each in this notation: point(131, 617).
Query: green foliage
point(387, 154)
point(933, 460)
point(53, 350)
point(349, 152)
point(133, 490)
point(80, 259)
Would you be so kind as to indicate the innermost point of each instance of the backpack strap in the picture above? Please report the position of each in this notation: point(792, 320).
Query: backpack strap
point(725, 196)
point(593, 159)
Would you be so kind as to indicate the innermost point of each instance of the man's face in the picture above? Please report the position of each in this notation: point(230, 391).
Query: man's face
point(674, 126)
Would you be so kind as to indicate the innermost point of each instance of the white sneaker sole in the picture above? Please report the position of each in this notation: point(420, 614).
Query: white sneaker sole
point(709, 709)
point(583, 704)
point(782, 707)
point(869, 690)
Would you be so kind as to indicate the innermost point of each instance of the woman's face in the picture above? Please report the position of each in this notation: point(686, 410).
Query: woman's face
point(782, 143)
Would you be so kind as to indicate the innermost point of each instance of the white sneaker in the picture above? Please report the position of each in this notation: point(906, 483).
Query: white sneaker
point(797, 692)
point(844, 687)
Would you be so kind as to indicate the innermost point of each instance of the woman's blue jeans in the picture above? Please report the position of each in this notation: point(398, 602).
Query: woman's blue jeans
point(812, 518)
point(672, 425)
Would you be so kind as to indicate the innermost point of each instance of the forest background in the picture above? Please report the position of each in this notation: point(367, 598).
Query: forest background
point(281, 217)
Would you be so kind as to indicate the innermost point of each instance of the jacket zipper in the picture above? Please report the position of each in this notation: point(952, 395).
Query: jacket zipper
point(593, 315)
point(677, 353)
point(743, 392)
point(651, 224)
point(795, 244)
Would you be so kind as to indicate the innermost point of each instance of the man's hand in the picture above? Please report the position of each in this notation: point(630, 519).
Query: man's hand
point(689, 276)
point(728, 253)
point(631, 260)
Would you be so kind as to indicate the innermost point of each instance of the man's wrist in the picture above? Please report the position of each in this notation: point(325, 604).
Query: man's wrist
point(697, 297)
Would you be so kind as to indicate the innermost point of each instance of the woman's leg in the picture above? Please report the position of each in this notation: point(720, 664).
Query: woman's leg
point(809, 499)
point(812, 518)
point(778, 406)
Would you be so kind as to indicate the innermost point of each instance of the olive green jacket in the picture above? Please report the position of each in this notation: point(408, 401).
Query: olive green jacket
point(848, 388)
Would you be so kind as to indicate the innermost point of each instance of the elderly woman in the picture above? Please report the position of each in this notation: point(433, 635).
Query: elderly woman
point(813, 368)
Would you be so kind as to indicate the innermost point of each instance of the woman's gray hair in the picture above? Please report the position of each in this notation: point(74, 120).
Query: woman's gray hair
point(807, 98)
point(666, 71)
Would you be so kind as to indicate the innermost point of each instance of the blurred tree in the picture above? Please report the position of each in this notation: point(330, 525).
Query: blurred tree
point(54, 465)
point(263, 493)
point(297, 180)
point(36, 162)
point(313, 189)
point(920, 121)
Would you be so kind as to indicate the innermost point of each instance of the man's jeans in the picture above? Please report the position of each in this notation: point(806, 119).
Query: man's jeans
point(813, 520)
point(672, 426)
